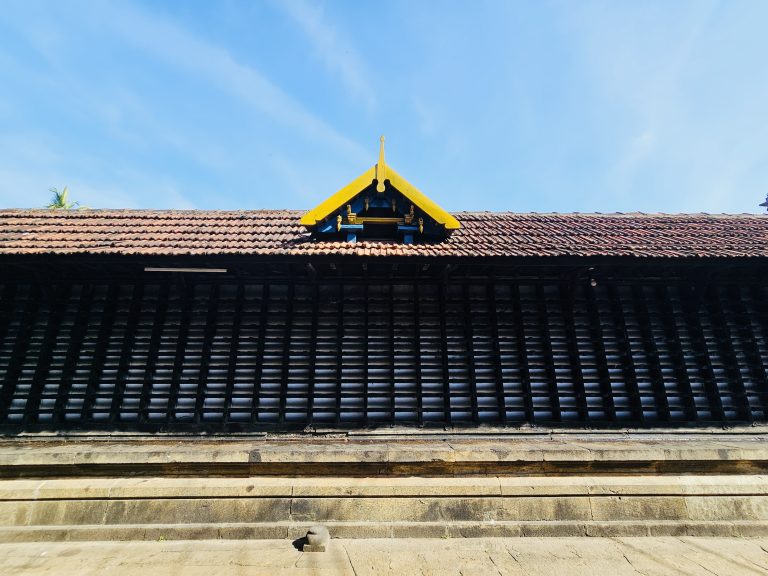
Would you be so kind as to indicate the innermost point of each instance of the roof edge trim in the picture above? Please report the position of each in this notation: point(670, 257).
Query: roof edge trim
point(422, 200)
point(332, 203)
point(322, 210)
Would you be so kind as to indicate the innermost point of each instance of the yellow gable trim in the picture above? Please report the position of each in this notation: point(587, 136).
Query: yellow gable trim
point(421, 201)
point(323, 210)
point(329, 205)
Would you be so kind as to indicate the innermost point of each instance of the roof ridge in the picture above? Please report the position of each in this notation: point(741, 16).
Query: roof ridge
point(292, 211)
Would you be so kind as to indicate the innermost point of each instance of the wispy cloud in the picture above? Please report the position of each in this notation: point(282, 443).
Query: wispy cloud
point(680, 142)
point(621, 176)
point(176, 46)
point(33, 163)
point(336, 53)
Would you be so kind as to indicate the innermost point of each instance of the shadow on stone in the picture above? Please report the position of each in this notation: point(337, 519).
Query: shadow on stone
point(299, 543)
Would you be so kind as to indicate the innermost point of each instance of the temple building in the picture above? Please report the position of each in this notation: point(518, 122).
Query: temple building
point(376, 330)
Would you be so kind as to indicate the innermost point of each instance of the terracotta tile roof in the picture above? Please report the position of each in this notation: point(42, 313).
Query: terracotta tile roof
point(278, 232)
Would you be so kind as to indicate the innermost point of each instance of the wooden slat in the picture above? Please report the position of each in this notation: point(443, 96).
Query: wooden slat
point(444, 355)
point(691, 303)
point(418, 351)
point(751, 351)
point(651, 353)
point(265, 296)
point(187, 297)
point(20, 350)
point(672, 337)
point(724, 340)
point(365, 353)
point(522, 354)
point(125, 352)
point(74, 347)
point(498, 376)
point(8, 301)
point(57, 307)
point(106, 326)
point(567, 293)
point(469, 346)
point(205, 360)
point(391, 352)
point(158, 324)
point(339, 349)
point(234, 344)
point(628, 368)
point(549, 362)
point(286, 363)
point(596, 336)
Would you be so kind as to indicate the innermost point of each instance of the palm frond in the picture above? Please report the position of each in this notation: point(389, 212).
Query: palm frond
point(60, 200)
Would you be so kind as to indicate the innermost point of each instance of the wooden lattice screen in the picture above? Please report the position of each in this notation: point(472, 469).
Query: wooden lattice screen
point(242, 355)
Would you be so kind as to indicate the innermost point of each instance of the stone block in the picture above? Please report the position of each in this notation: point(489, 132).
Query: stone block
point(543, 508)
point(159, 532)
point(15, 513)
point(544, 486)
point(727, 507)
point(392, 509)
point(259, 531)
point(553, 529)
point(484, 530)
point(67, 512)
point(638, 508)
point(197, 510)
point(617, 529)
point(357, 530)
point(419, 530)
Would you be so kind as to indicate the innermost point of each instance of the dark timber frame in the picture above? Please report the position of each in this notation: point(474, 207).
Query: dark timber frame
point(98, 343)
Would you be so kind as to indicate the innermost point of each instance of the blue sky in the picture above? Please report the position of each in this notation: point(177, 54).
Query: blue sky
point(590, 106)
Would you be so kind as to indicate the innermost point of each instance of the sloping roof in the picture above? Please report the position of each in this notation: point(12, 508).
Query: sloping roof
point(279, 232)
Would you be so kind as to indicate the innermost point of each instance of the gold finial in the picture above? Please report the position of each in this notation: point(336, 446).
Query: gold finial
point(381, 169)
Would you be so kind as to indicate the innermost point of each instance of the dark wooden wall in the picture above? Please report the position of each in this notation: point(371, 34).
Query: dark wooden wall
point(202, 352)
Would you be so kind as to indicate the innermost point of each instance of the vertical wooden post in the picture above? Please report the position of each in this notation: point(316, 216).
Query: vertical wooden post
point(627, 362)
point(672, 336)
point(205, 361)
point(724, 340)
point(651, 353)
point(20, 350)
point(285, 371)
point(154, 348)
point(187, 296)
point(265, 296)
point(498, 375)
point(102, 343)
point(522, 355)
point(444, 354)
point(125, 352)
point(469, 347)
point(596, 335)
point(74, 348)
point(417, 353)
point(546, 344)
point(234, 345)
point(312, 360)
point(58, 303)
point(569, 323)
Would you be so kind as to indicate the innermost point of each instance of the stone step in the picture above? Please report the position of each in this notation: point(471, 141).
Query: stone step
point(450, 455)
point(366, 530)
point(148, 501)
point(325, 487)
